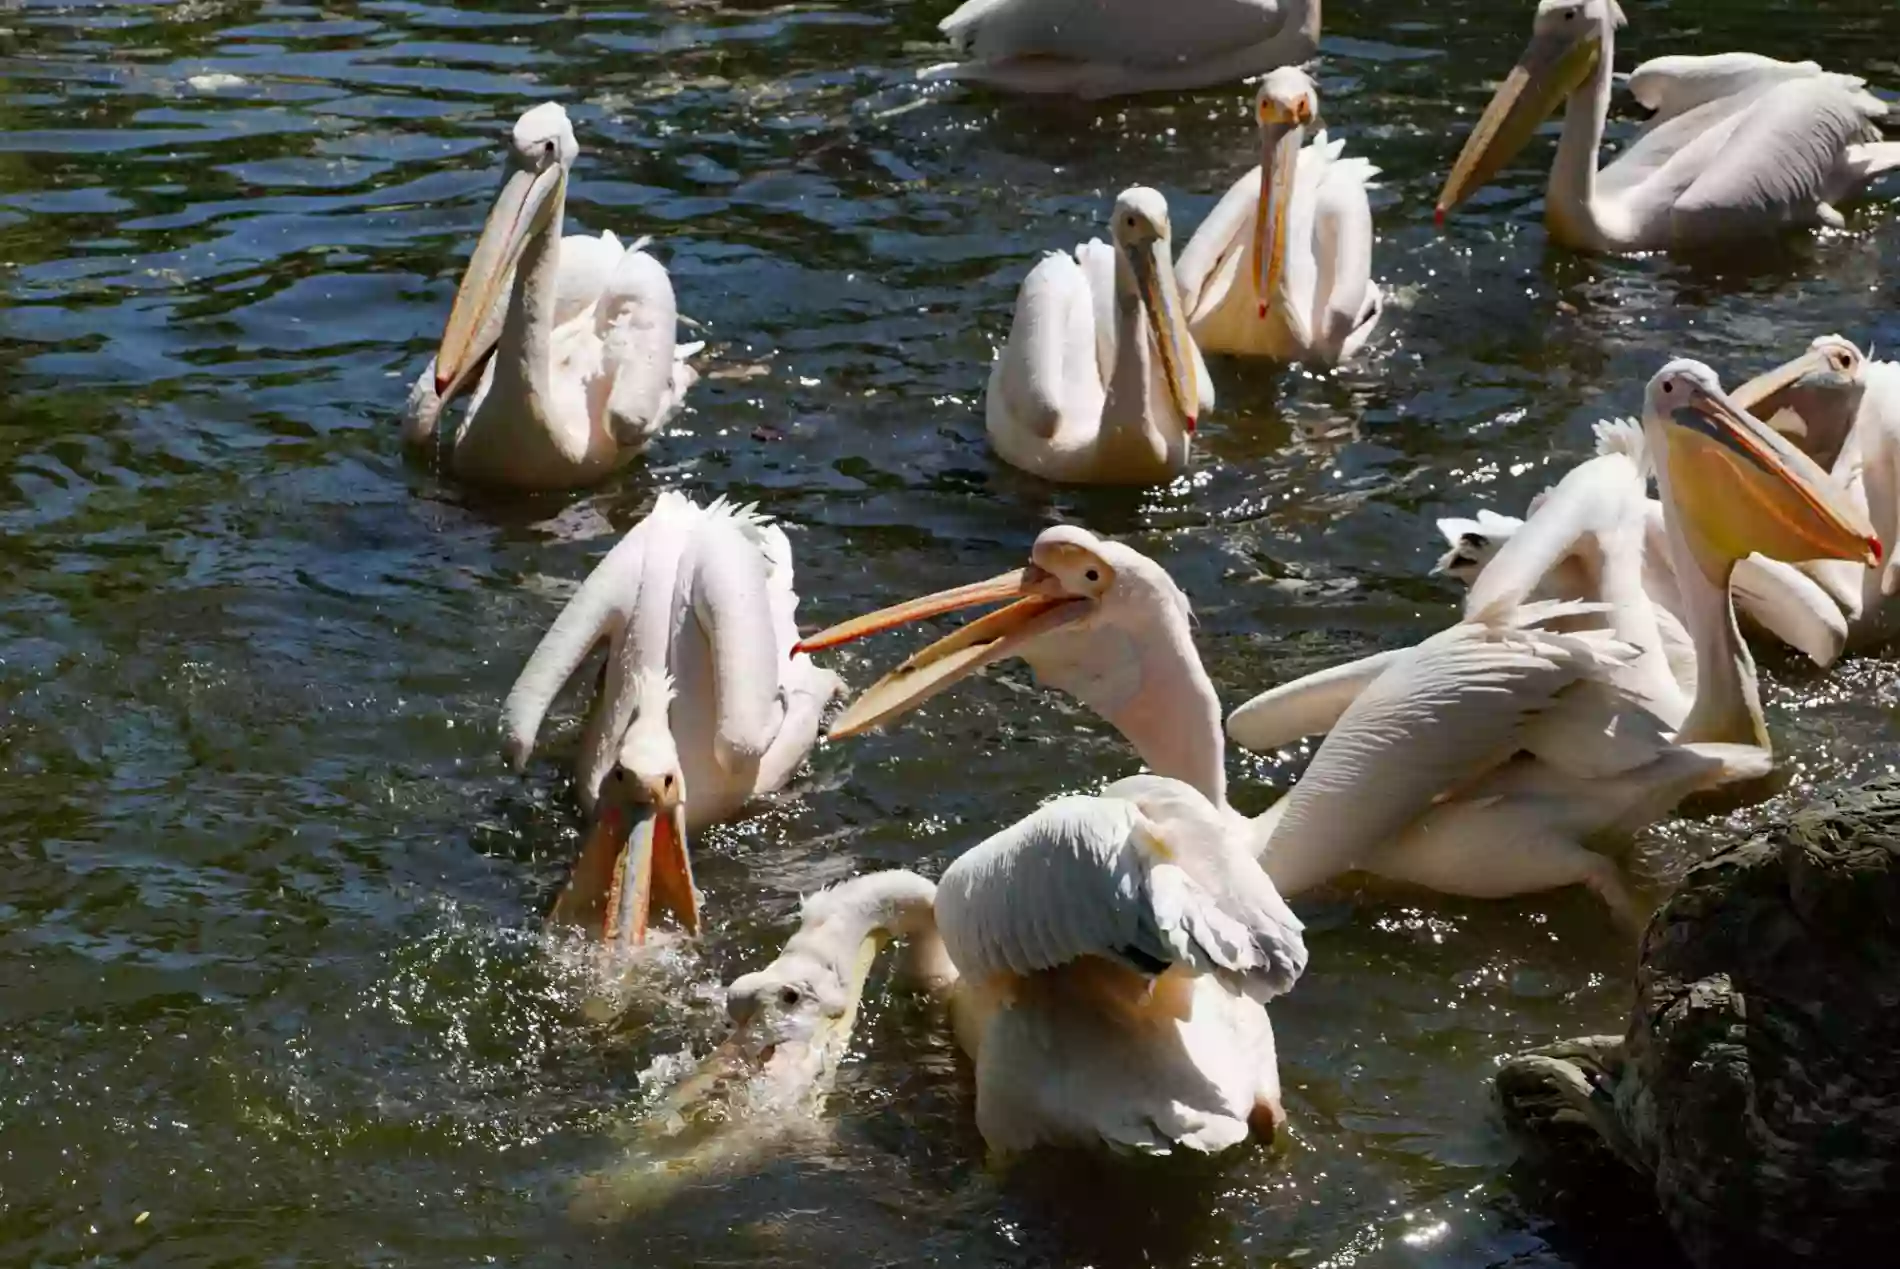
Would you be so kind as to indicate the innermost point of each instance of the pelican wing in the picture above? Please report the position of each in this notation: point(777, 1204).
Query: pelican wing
point(1206, 268)
point(1095, 876)
point(598, 610)
point(1461, 704)
point(726, 575)
point(1050, 369)
point(1342, 250)
point(1674, 85)
point(1780, 160)
point(1877, 430)
point(636, 321)
point(1137, 33)
point(1602, 496)
point(1308, 706)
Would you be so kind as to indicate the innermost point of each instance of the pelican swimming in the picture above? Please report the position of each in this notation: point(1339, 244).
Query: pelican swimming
point(568, 343)
point(1103, 48)
point(1447, 765)
point(1108, 960)
point(1283, 269)
point(1739, 144)
point(1840, 409)
point(703, 706)
point(1100, 381)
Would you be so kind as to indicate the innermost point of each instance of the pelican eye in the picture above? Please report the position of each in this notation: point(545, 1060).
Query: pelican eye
point(668, 782)
point(1093, 575)
point(789, 996)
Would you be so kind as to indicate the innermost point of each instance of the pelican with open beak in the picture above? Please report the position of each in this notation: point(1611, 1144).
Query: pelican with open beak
point(1070, 401)
point(1740, 145)
point(567, 344)
point(1036, 602)
point(1282, 267)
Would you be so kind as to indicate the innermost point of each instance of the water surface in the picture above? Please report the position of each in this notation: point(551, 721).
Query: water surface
point(270, 981)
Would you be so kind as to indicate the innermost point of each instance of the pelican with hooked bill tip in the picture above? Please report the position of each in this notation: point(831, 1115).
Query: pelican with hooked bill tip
point(703, 704)
point(1282, 267)
point(567, 343)
point(1739, 144)
point(1100, 381)
point(1837, 407)
point(1487, 760)
point(1108, 961)
point(1104, 48)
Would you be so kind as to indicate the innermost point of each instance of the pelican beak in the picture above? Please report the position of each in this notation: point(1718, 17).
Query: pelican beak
point(1038, 607)
point(1281, 137)
point(1550, 70)
point(519, 213)
point(1161, 302)
point(1742, 489)
point(1783, 397)
point(627, 870)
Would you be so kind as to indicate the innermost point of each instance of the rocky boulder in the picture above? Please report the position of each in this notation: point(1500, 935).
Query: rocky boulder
point(1758, 1083)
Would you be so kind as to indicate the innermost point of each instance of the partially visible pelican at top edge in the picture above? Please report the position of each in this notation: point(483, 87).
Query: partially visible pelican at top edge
point(1100, 381)
point(703, 704)
point(1108, 960)
point(1420, 777)
point(1282, 267)
point(1739, 144)
point(567, 343)
point(1103, 48)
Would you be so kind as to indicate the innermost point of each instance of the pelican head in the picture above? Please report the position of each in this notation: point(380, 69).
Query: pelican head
point(1144, 240)
point(792, 1020)
point(1567, 41)
point(1739, 486)
point(794, 1017)
point(634, 858)
point(1286, 103)
point(1814, 398)
point(1473, 544)
point(540, 153)
point(1074, 582)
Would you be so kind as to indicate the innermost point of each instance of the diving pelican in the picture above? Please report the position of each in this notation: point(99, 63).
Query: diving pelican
point(1448, 765)
point(567, 342)
point(1740, 144)
point(1100, 381)
point(1105, 48)
point(1284, 269)
point(703, 705)
point(1108, 960)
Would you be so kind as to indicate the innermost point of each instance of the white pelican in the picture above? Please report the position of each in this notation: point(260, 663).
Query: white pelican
point(1103, 48)
point(1842, 407)
point(1740, 144)
point(1100, 381)
point(1283, 269)
point(1838, 408)
point(1420, 778)
point(703, 705)
point(1108, 960)
point(571, 338)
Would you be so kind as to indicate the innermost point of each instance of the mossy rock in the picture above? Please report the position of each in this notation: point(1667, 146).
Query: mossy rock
point(1758, 1082)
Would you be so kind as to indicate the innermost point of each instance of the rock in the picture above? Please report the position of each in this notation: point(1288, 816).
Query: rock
point(1758, 1083)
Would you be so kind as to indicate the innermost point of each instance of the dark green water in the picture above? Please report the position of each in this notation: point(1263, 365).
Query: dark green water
point(269, 969)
